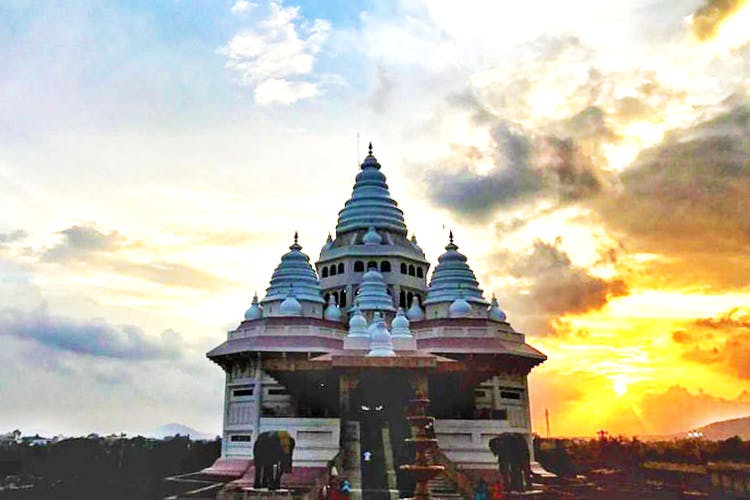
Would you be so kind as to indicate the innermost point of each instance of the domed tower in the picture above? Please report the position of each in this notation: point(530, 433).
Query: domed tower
point(454, 290)
point(294, 283)
point(371, 232)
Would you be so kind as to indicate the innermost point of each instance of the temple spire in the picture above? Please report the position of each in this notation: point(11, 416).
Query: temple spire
point(369, 149)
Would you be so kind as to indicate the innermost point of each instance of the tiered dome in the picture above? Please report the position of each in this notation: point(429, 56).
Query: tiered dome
point(453, 278)
point(255, 312)
point(373, 295)
point(371, 202)
point(294, 271)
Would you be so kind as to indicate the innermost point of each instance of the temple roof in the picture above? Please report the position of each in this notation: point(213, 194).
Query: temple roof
point(371, 203)
point(295, 272)
point(453, 278)
point(373, 295)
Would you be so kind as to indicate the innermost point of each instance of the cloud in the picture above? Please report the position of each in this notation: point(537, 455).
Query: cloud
point(12, 237)
point(687, 199)
point(382, 95)
point(80, 242)
point(679, 410)
point(241, 6)
point(168, 274)
point(707, 19)
point(558, 287)
point(722, 341)
point(276, 55)
point(93, 338)
point(97, 250)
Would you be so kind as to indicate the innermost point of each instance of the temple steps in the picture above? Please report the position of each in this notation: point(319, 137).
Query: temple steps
point(441, 487)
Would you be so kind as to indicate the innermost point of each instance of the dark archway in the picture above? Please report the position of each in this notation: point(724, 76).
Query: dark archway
point(381, 397)
point(359, 267)
point(341, 268)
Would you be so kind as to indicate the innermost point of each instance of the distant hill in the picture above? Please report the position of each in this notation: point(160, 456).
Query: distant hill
point(173, 428)
point(724, 429)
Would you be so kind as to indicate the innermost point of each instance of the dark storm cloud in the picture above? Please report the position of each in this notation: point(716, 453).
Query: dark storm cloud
point(708, 17)
point(93, 338)
point(79, 242)
point(723, 341)
point(559, 287)
point(551, 286)
point(688, 198)
point(478, 195)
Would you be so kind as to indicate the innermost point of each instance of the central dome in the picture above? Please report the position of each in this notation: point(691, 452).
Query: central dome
point(371, 203)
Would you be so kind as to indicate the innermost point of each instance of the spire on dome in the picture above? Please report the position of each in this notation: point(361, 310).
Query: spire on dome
point(369, 149)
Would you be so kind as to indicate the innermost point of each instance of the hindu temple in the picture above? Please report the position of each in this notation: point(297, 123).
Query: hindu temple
point(336, 348)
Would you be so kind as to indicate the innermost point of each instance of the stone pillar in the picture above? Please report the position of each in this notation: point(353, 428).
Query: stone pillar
point(347, 383)
point(258, 395)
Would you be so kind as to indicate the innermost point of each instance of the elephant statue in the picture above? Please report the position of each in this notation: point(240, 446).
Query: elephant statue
point(272, 455)
point(514, 460)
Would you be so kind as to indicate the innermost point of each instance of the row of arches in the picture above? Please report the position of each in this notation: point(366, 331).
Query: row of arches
point(332, 270)
point(360, 267)
point(412, 270)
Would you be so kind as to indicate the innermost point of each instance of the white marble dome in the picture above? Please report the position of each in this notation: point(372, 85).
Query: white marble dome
point(255, 312)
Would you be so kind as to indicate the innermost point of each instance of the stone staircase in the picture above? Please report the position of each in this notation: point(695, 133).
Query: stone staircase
point(443, 488)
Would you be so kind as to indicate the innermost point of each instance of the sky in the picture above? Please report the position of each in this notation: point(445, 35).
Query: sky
point(592, 159)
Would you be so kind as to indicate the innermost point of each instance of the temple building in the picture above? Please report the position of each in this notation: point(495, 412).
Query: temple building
point(334, 349)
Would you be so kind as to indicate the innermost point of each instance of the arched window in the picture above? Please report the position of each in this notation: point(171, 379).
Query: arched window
point(342, 299)
point(326, 297)
point(332, 272)
point(409, 298)
point(336, 297)
point(419, 273)
point(403, 268)
point(412, 271)
point(385, 267)
point(372, 263)
point(341, 268)
point(359, 267)
point(324, 272)
point(402, 299)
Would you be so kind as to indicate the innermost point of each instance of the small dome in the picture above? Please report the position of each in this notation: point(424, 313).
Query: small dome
point(416, 245)
point(372, 237)
point(381, 344)
point(494, 312)
point(415, 313)
point(357, 323)
point(255, 312)
point(400, 325)
point(290, 306)
point(332, 312)
point(459, 308)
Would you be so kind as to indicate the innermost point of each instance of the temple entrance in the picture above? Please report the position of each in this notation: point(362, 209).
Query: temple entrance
point(378, 403)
